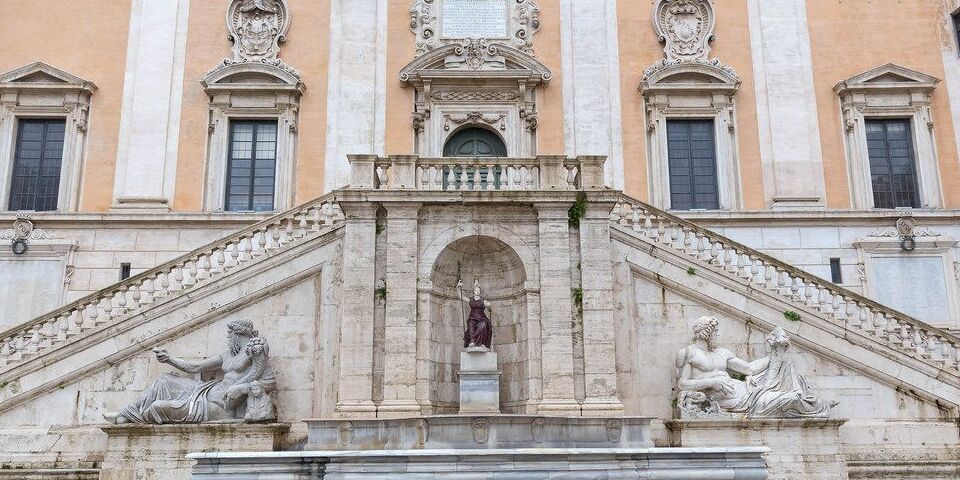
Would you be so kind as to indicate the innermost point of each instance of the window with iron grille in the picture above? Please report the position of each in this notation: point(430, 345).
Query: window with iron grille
point(251, 166)
point(692, 156)
point(36, 165)
point(892, 166)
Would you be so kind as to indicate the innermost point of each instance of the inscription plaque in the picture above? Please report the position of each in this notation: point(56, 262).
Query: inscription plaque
point(474, 18)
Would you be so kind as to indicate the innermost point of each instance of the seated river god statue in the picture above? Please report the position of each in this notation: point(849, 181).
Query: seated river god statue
point(240, 393)
point(772, 389)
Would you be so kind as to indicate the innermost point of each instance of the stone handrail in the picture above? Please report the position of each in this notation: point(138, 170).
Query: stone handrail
point(747, 265)
point(130, 296)
point(410, 172)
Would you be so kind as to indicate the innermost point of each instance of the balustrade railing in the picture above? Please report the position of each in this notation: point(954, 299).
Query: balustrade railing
point(761, 271)
point(129, 297)
point(545, 172)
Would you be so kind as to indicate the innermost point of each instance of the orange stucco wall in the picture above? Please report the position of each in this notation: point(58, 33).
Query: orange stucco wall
point(73, 37)
point(639, 49)
point(306, 50)
point(848, 39)
point(547, 46)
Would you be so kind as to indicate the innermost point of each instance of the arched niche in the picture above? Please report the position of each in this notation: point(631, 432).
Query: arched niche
point(503, 279)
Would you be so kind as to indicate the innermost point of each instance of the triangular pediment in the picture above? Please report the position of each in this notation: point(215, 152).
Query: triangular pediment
point(41, 73)
point(889, 76)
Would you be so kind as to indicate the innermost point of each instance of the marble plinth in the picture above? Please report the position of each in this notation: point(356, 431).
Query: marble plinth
point(479, 382)
point(159, 452)
point(800, 449)
point(478, 432)
point(507, 464)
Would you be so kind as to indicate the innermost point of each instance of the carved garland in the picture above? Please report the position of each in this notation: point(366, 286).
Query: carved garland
point(474, 117)
point(425, 22)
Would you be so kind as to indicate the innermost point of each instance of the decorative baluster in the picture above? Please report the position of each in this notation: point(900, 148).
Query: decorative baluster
point(648, 226)
point(491, 178)
point(865, 322)
point(176, 283)
point(288, 232)
point(920, 343)
point(809, 294)
point(148, 291)
point(48, 332)
point(276, 236)
point(135, 297)
point(229, 256)
point(314, 226)
point(757, 272)
point(784, 285)
point(531, 177)
point(768, 277)
point(636, 226)
point(826, 301)
point(879, 323)
point(732, 260)
point(906, 338)
point(796, 289)
point(202, 266)
point(690, 243)
point(716, 255)
point(464, 179)
point(476, 183)
point(745, 267)
point(852, 315)
point(93, 316)
point(216, 261)
point(674, 236)
point(839, 309)
point(192, 271)
point(706, 249)
point(301, 226)
point(33, 342)
point(243, 247)
point(118, 302)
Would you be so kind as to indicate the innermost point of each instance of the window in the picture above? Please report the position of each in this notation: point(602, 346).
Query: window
point(692, 159)
point(252, 165)
point(892, 166)
point(36, 165)
point(836, 274)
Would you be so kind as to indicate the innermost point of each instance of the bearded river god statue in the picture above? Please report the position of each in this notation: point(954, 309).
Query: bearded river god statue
point(239, 394)
point(772, 389)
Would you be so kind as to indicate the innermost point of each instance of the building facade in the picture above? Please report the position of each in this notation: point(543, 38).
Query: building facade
point(807, 147)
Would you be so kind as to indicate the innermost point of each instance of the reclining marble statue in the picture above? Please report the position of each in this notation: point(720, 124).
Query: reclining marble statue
point(772, 389)
point(240, 393)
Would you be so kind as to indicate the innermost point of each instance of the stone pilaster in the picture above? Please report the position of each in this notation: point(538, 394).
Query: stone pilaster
point(556, 334)
point(599, 345)
point(400, 339)
point(357, 307)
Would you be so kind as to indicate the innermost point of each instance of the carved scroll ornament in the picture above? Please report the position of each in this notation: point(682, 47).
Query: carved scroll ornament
point(256, 29)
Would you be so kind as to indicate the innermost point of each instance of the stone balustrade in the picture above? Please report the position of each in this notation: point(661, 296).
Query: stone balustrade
point(410, 172)
point(135, 294)
point(844, 307)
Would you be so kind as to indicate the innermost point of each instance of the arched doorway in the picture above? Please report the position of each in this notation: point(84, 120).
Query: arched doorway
point(474, 142)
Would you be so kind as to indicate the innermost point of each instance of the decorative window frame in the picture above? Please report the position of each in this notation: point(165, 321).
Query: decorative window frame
point(889, 91)
point(692, 91)
point(39, 90)
point(252, 91)
point(887, 243)
point(475, 83)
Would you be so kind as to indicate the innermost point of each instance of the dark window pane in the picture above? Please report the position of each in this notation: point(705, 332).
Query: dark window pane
point(692, 163)
point(36, 167)
point(251, 166)
point(892, 165)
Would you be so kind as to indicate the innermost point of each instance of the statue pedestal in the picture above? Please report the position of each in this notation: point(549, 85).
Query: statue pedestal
point(159, 452)
point(800, 448)
point(479, 382)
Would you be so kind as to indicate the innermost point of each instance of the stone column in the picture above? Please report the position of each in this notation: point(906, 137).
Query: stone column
point(786, 104)
point(152, 96)
point(400, 339)
point(599, 345)
point(556, 334)
point(355, 389)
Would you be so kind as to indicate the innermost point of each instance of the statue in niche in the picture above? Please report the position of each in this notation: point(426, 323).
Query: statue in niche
point(772, 387)
point(478, 332)
point(241, 393)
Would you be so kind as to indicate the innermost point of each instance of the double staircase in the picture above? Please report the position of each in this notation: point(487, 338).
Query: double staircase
point(864, 323)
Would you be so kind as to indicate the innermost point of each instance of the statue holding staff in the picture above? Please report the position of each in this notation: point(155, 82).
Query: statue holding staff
point(479, 331)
